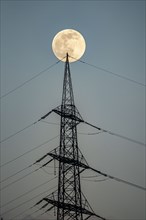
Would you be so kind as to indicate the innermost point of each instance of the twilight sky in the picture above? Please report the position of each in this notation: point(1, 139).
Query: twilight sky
point(115, 40)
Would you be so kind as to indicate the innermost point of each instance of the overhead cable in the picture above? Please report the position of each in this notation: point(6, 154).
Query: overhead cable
point(24, 211)
point(110, 72)
point(12, 135)
point(104, 130)
point(26, 193)
point(29, 199)
point(16, 173)
point(25, 175)
point(29, 151)
point(115, 134)
point(97, 180)
point(90, 133)
point(118, 179)
point(90, 178)
point(86, 177)
point(51, 123)
point(27, 81)
point(18, 179)
point(28, 126)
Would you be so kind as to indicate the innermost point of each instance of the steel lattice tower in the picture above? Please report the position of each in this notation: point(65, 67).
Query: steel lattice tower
point(70, 202)
point(69, 188)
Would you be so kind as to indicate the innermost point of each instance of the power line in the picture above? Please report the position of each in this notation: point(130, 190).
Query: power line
point(29, 151)
point(43, 71)
point(90, 178)
point(25, 175)
point(118, 179)
point(51, 123)
point(110, 72)
point(115, 134)
point(29, 214)
point(97, 180)
point(26, 210)
point(101, 131)
point(115, 178)
point(38, 216)
point(26, 193)
point(47, 172)
point(15, 173)
point(27, 81)
point(29, 199)
point(86, 177)
point(90, 133)
point(104, 130)
point(28, 126)
point(19, 179)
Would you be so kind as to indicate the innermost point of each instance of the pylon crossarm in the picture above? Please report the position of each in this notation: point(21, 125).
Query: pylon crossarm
point(38, 202)
point(44, 206)
point(66, 112)
point(45, 164)
point(46, 115)
point(68, 206)
point(69, 161)
point(55, 154)
point(46, 155)
point(49, 209)
point(37, 161)
point(85, 209)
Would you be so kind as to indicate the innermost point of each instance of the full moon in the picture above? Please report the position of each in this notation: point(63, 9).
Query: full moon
point(68, 41)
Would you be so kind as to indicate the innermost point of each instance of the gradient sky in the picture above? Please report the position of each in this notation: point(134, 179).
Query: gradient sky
point(115, 37)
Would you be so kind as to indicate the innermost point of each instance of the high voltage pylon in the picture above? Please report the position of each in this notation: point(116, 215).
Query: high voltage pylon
point(69, 199)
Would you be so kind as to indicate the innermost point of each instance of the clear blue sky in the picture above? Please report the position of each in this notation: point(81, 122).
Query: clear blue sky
point(115, 37)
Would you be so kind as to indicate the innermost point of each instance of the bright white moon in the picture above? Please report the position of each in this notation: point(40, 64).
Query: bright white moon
point(68, 41)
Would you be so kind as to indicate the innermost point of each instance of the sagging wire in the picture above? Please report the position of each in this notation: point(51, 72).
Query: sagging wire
point(110, 72)
point(97, 180)
point(10, 184)
point(88, 178)
point(29, 151)
point(118, 179)
point(51, 123)
point(95, 133)
point(27, 81)
point(115, 134)
point(16, 173)
point(28, 126)
point(29, 199)
point(24, 175)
